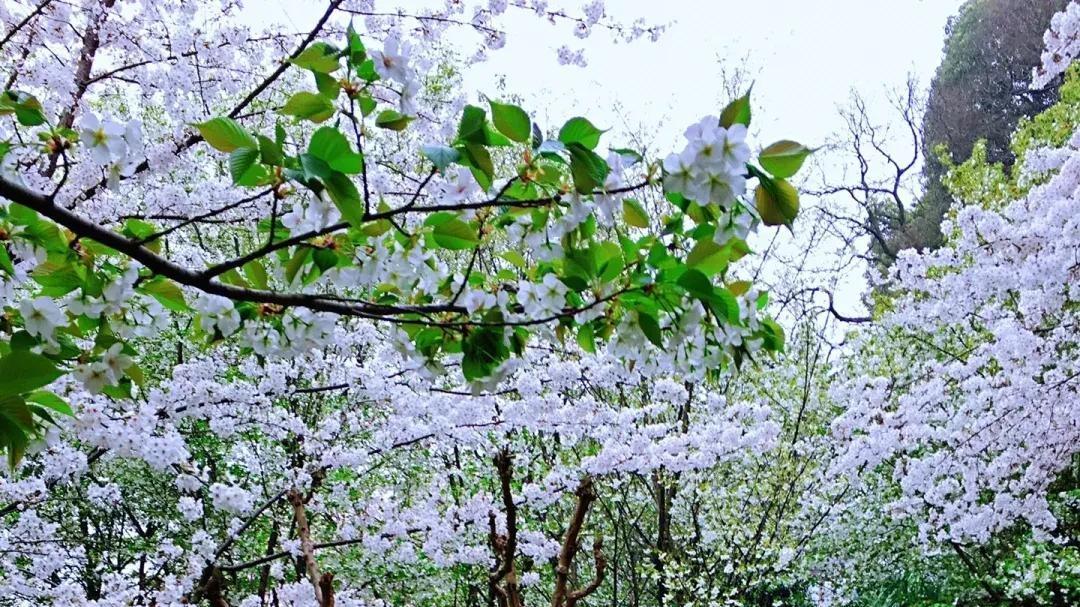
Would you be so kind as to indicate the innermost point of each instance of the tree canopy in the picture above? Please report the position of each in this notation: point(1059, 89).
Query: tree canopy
point(293, 318)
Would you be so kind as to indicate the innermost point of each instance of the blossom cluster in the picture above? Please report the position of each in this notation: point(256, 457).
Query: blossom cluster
point(974, 413)
point(1062, 45)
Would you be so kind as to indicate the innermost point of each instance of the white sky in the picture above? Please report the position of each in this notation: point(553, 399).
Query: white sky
point(803, 55)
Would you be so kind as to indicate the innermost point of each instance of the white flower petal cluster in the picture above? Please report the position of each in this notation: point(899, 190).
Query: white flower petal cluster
point(986, 419)
point(542, 299)
point(712, 166)
point(1062, 42)
point(116, 146)
point(41, 317)
point(316, 215)
point(392, 63)
point(217, 313)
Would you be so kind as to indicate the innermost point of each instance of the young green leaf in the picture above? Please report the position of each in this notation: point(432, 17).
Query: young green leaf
point(441, 156)
point(270, 151)
point(737, 112)
point(579, 130)
point(167, 293)
point(225, 134)
point(784, 158)
point(586, 338)
point(332, 147)
point(651, 328)
point(696, 284)
point(634, 214)
point(483, 350)
point(511, 121)
point(240, 161)
point(50, 401)
point(392, 120)
point(328, 86)
point(26, 107)
point(708, 257)
point(455, 234)
point(23, 371)
point(309, 106)
point(588, 169)
point(777, 202)
point(346, 198)
point(319, 57)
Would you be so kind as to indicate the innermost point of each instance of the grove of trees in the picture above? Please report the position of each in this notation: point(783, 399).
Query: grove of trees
point(292, 318)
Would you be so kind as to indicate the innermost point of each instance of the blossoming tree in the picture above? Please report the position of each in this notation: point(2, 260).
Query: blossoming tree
point(280, 309)
point(961, 406)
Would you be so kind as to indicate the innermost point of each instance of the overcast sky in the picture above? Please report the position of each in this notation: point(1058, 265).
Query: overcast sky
point(804, 56)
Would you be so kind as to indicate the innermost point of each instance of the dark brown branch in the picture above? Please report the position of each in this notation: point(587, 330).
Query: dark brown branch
point(586, 495)
point(15, 29)
point(505, 546)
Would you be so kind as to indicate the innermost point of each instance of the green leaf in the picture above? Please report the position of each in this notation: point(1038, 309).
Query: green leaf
point(314, 167)
point(651, 328)
point(483, 350)
point(14, 411)
point(325, 259)
point(16, 426)
point(345, 197)
point(724, 305)
point(270, 151)
point(633, 155)
point(241, 160)
point(455, 235)
point(26, 107)
point(357, 52)
point(330, 145)
point(773, 335)
point(515, 258)
point(588, 169)
point(440, 155)
point(320, 57)
point(327, 85)
point(255, 272)
point(167, 293)
point(51, 401)
point(57, 279)
point(478, 158)
point(777, 201)
point(511, 121)
point(579, 130)
point(392, 120)
point(471, 128)
point(586, 338)
point(696, 283)
point(5, 261)
point(23, 371)
point(609, 258)
point(737, 112)
point(138, 229)
point(784, 158)
point(366, 71)
point(367, 105)
point(580, 263)
point(308, 106)
point(292, 268)
point(225, 134)
point(708, 257)
point(634, 214)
